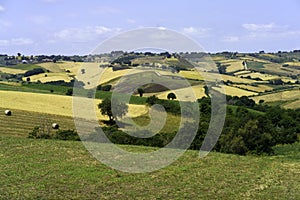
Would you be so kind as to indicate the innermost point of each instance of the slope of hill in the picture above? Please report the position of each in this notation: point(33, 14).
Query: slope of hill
point(51, 169)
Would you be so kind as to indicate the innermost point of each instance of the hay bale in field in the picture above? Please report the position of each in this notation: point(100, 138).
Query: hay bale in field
point(55, 126)
point(7, 112)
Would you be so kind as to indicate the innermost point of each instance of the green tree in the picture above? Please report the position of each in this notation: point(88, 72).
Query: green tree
point(171, 96)
point(120, 109)
point(69, 92)
point(206, 91)
point(140, 91)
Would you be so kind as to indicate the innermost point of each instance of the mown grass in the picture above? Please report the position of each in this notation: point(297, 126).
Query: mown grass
point(22, 122)
point(51, 169)
point(255, 65)
point(172, 122)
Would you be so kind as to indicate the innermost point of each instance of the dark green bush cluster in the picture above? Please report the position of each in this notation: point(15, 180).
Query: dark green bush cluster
point(119, 137)
point(34, 71)
point(249, 128)
point(104, 87)
point(170, 106)
point(39, 133)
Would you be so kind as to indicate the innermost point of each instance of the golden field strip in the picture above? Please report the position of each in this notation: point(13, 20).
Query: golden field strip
point(53, 104)
point(258, 88)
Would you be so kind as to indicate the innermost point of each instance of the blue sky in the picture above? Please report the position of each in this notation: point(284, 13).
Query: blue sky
point(76, 27)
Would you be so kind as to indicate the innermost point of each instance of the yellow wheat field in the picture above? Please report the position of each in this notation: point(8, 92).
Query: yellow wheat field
point(292, 105)
point(182, 94)
point(264, 77)
point(235, 66)
point(50, 77)
point(11, 70)
point(258, 88)
point(242, 73)
point(279, 96)
point(53, 104)
point(293, 64)
point(61, 66)
point(232, 91)
point(191, 74)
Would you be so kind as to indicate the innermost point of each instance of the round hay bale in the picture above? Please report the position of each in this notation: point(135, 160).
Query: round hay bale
point(7, 112)
point(55, 126)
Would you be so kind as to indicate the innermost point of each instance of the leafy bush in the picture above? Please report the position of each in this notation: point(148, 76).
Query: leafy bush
point(69, 92)
point(66, 135)
point(34, 71)
point(39, 132)
point(106, 87)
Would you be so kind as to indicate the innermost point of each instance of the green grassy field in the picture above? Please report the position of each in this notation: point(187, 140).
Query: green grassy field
point(51, 169)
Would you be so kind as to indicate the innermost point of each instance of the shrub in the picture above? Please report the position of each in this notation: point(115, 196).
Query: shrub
point(34, 71)
point(106, 87)
point(40, 133)
point(69, 92)
point(66, 135)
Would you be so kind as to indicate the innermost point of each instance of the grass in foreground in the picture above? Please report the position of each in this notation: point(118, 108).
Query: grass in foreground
point(50, 169)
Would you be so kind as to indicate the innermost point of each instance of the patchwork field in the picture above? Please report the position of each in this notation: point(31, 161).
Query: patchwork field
point(264, 77)
point(234, 91)
point(61, 66)
point(182, 94)
point(191, 75)
point(12, 70)
point(22, 122)
point(53, 104)
point(288, 99)
point(258, 88)
point(235, 66)
point(48, 77)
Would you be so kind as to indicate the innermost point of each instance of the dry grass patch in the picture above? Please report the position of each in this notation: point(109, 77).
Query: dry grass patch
point(182, 94)
point(235, 66)
point(12, 70)
point(54, 104)
point(48, 77)
point(233, 91)
point(264, 77)
point(279, 96)
point(258, 88)
point(191, 74)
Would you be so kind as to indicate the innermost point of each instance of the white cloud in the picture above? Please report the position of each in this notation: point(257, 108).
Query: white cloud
point(4, 23)
point(4, 42)
point(259, 27)
point(130, 21)
point(2, 8)
point(231, 39)
point(199, 32)
point(16, 41)
point(85, 34)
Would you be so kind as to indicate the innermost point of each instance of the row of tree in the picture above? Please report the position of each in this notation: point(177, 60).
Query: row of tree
point(249, 127)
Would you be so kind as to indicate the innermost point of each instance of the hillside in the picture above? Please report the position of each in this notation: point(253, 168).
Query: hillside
point(55, 169)
point(255, 75)
point(49, 169)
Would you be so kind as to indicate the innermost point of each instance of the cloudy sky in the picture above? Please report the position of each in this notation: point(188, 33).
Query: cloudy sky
point(76, 26)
